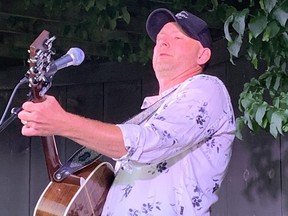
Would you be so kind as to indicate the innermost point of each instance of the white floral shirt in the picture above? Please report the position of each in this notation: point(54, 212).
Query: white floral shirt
point(178, 158)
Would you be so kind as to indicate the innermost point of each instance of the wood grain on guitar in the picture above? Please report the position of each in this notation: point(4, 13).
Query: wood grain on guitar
point(84, 192)
point(72, 200)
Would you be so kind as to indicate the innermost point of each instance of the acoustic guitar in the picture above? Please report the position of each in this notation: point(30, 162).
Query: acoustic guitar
point(80, 193)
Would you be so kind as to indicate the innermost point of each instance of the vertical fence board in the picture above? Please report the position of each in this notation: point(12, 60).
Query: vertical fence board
point(122, 100)
point(14, 160)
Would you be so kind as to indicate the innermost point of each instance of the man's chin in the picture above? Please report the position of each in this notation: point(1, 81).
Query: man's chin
point(163, 66)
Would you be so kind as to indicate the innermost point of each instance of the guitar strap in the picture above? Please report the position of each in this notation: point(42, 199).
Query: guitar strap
point(84, 156)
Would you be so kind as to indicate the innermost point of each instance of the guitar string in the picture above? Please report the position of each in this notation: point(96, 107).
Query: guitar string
point(89, 200)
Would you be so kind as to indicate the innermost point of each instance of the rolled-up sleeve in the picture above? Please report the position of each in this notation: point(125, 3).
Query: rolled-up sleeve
point(190, 116)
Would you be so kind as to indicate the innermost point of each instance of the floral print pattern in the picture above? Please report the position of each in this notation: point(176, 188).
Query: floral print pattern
point(177, 159)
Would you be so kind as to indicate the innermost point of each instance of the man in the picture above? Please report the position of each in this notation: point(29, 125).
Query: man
point(174, 163)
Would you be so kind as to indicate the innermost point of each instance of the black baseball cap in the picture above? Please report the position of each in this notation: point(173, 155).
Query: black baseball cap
point(192, 25)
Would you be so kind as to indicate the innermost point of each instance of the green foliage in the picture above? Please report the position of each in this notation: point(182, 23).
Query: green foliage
point(261, 26)
point(264, 100)
point(92, 20)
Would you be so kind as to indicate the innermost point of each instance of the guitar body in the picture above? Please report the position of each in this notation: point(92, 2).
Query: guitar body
point(65, 199)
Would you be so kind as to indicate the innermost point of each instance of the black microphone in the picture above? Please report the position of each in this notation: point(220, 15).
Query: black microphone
point(74, 56)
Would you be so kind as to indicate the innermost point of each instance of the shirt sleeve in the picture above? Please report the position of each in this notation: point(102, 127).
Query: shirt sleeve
point(188, 118)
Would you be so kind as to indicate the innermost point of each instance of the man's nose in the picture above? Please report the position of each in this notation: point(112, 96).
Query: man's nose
point(163, 42)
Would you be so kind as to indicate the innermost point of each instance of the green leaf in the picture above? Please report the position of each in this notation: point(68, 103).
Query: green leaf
point(261, 3)
point(247, 100)
point(277, 61)
point(277, 82)
point(257, 25)
point(125, 15)
point(239, 22)
point(239, 127)
point(260, 113)
point(89, 4)
point(234, 46)
point(248, 121)
point(285, 37)
point(285, 127)
point(112, 23)
point(271, 31)
point(276, 124)
point(215, 4)
point(253, 56)
point(281, 16)
point(226, 28)
point(101, 4)
point(269, 5)
point(276, 102)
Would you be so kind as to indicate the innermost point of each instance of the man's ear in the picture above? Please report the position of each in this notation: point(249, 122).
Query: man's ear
point(204, 56)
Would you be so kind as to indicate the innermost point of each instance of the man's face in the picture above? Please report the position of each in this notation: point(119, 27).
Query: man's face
point(175, 52)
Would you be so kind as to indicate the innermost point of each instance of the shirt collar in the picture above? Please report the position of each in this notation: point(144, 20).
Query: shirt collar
point(148, 101)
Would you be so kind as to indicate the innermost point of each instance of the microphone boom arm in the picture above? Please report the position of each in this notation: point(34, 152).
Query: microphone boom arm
point(74, 56)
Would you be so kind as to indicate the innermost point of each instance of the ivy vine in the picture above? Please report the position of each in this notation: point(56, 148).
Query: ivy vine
point(261, 26)
point(264, 100)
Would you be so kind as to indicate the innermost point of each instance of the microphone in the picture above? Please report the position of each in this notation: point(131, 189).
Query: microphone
point(74, 56)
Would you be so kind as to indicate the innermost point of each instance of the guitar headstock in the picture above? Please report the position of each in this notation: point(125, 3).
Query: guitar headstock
point(39, 64)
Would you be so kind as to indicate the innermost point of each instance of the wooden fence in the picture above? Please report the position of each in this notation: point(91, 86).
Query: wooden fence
point(255, 185)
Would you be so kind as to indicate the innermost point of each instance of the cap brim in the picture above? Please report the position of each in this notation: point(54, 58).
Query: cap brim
point(156, 20)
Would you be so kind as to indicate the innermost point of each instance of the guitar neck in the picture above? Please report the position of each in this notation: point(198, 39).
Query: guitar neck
point(51, 155)
point(40, 59)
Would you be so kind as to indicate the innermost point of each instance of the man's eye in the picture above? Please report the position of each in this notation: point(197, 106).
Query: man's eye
point(158, 39)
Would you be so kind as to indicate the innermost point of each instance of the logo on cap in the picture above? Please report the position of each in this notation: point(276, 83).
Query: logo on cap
point(182, 14)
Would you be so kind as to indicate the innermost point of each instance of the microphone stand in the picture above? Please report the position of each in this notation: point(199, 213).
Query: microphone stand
point(74, 56)
point(14, 111)
point(11, 118)
point(47, 82)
